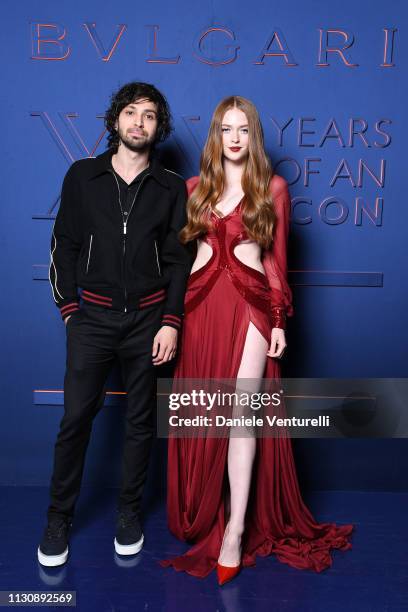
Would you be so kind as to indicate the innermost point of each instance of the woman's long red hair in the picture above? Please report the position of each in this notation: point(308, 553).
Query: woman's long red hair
point(258, 214)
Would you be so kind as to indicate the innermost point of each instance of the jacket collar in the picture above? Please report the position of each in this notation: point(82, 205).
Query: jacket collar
point(102, 164)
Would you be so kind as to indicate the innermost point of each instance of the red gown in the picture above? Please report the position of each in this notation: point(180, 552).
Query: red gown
point(222, 298)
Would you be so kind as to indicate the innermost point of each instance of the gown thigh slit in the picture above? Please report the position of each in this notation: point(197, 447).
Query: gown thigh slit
point(252, 364)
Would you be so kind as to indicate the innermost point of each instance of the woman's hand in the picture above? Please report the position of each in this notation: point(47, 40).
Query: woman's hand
point(278, 342)
point(164, 345)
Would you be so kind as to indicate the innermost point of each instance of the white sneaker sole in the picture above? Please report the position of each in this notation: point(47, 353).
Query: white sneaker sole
point(129, 549)
point(52, 560)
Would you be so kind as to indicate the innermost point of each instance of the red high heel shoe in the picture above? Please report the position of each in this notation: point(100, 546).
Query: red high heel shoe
point(225, 573)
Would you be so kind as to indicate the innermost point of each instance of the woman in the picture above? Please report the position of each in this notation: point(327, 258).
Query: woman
point(238, 497)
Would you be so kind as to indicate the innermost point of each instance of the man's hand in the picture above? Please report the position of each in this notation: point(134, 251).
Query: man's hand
point(278, 343)
point(164, 345)
point(67, 319)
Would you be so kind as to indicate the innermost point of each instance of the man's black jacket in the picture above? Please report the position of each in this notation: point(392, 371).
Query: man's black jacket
point(120, 261)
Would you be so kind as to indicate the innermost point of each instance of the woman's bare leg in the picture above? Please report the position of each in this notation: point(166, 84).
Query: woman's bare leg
point(241, 451)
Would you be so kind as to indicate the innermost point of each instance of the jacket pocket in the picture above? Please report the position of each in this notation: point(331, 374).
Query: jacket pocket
point(88, 261)
point(156, 250)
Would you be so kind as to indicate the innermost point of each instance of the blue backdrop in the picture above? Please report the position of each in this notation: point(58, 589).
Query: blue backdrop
point(328, 80)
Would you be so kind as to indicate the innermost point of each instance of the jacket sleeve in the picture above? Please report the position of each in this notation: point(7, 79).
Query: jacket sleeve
point(66, 243)
point(275, 259)
point(176, 261)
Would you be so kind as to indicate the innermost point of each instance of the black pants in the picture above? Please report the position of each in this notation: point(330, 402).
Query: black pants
point(95, 337)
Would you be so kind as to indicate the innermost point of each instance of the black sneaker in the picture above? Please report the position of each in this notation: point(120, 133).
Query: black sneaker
point(129, 536)
point(53, 549)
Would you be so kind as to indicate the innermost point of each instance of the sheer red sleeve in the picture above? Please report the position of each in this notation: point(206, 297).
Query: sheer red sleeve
point(192, 184)
point(275, 259)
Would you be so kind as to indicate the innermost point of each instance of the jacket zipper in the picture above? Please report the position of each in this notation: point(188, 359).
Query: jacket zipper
point(125, 220)
point(157, 257)
point(89, 254)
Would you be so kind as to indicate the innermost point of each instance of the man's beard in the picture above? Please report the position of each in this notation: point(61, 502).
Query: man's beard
point(142, 143)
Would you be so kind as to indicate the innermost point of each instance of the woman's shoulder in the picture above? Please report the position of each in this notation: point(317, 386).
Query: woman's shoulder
point(277, 184)
point(192, 183)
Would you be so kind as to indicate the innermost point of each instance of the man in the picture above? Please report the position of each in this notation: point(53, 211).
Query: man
point(115, 238)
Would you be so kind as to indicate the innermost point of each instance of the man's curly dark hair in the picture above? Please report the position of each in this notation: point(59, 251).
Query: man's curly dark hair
point(131, 92)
